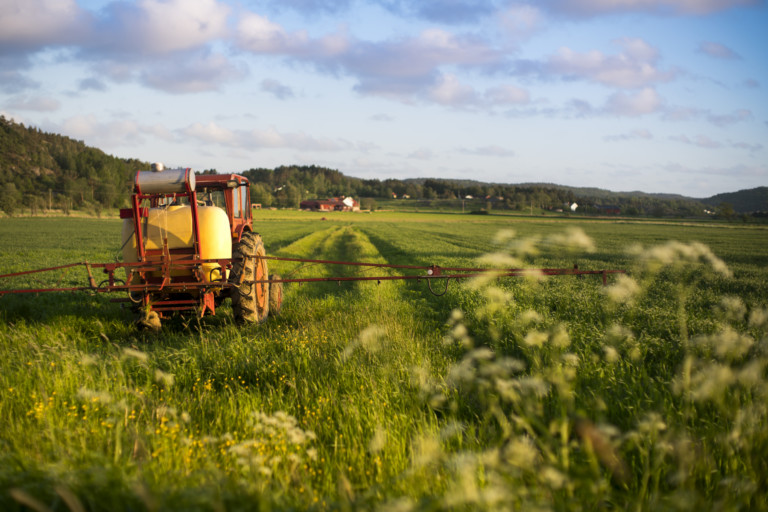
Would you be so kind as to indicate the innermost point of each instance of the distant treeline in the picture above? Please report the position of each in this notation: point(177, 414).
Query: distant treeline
point(287, 186)
point(41, 170)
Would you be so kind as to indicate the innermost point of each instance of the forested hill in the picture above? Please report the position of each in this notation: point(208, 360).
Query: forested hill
point(751, 200)
point(41, 170)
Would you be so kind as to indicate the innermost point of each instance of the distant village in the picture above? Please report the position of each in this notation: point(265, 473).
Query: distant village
point(348, 204)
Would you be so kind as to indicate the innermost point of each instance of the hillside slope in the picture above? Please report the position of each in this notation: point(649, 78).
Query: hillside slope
point(743, 201)
point(42, 170)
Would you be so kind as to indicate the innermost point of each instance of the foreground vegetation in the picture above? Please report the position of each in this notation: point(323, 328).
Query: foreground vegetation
point(648, 394)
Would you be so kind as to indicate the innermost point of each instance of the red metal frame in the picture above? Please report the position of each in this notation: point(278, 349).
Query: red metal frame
point(165, 260)
point(432, 272)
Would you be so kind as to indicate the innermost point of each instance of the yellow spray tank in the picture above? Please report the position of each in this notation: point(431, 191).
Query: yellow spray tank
point(174, 223)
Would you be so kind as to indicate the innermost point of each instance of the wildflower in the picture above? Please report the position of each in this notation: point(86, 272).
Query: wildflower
point(535, 338)
point(559, 337)
point(611, 354)
point(529, 316)
point(758, 317)
point(728, 343)
point(651, 423)
point(732, 308)
point(136, 354)
point(165, 379)
point(573, 239)
point(711, 383)
point(94, 396)
point(522, 453)
point(426, 450)
point(378, 441)
point(676, 254)
point(623, 290)
point(554, 478)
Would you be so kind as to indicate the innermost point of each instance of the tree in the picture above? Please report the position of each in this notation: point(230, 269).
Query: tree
point(259, 194)
point(725, 210)
point(9, 198)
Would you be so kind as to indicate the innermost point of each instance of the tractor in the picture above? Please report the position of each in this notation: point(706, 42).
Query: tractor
point(188, 243)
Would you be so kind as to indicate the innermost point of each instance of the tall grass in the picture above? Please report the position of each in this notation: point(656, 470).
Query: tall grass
point(556, 393)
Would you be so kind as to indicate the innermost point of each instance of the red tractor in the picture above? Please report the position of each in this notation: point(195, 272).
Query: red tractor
point(188, 243)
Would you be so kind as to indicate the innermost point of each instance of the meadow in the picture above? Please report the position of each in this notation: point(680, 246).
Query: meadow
point(650, 393)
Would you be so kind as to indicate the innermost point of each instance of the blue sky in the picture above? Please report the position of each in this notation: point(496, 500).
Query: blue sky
point(652, 95)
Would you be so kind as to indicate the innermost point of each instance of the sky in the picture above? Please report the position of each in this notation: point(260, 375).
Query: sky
point(660, 96)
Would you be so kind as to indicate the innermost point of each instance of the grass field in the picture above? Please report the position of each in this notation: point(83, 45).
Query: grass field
point(523, 394)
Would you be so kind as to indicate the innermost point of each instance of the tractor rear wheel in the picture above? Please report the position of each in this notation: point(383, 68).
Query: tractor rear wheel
point(250, 300)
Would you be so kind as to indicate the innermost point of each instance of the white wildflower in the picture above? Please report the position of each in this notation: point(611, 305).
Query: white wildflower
point(611, 354)
point(573, 239)
point(554, 478)
point(163, 378)
point(90, 395)
point(623, 290)
point(732, 308)
point(535, 338)
point(135, 354)
point(378, 441)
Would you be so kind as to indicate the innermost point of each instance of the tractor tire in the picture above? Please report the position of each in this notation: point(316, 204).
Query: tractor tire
point(275, 295)
point(250, 301)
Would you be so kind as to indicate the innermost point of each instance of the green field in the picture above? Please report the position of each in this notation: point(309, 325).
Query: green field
point(521, 393)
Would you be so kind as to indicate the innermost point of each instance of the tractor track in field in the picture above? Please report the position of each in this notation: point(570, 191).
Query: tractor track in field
point(348, 243)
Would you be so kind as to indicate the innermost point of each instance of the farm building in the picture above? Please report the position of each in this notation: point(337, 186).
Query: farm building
point(609, 209)
point(338, 204)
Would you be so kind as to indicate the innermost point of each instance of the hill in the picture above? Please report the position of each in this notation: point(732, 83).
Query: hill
point(742, 201)
point(40, 170)
point(44, 170)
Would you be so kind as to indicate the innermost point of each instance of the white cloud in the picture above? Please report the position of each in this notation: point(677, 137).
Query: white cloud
point(717, 50)
point(191, 74)
point(506, 95)
point(519, 22)
point(406, 69)
point(751, 83)
point(634, 67)
point(636, 134)
point(37, 103)
point(701, 141)
point(422, 154)
point(97, 133)
point(492, 150)
point(212, 133)
point(733, 172)
point(277, 89)
point(258, 34)
point(442, 11)
point(37, 23)
point(668, 7)
point(159, 26)
point(449, 91)
point(645, 101)
point(752, 148)
point(736, 116)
